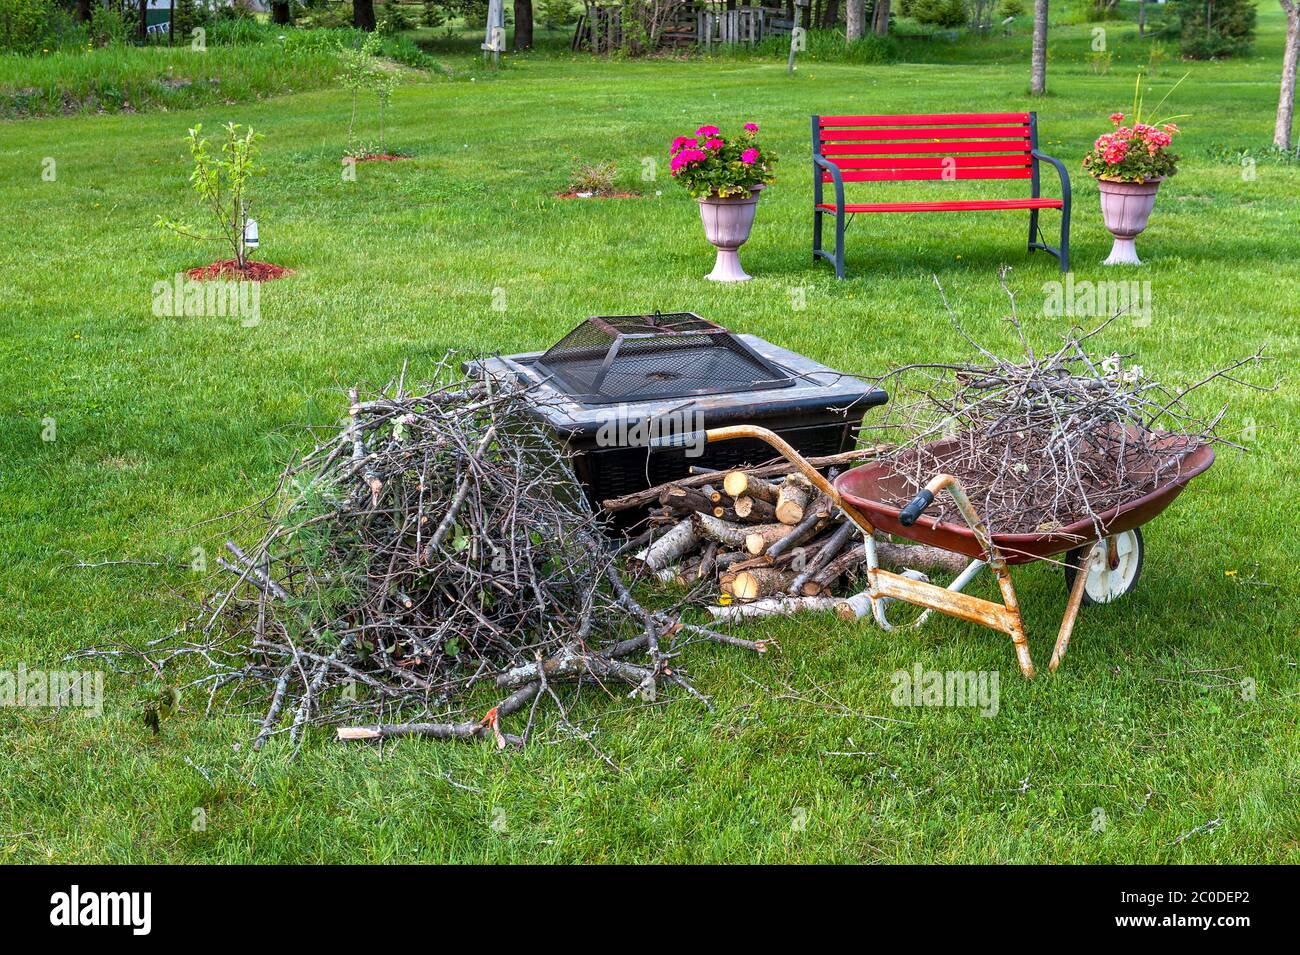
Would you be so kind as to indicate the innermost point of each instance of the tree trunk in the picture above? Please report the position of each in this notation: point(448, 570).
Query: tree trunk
point(143, 26)
point(1038, 59)
point(831, 15)
point(83, 11)
point(280, 13)
point(806, 21)
point(363, 15)
point(524, 25)
point(856, 20)
point(1142, 17)
point(880, 18)
point(1286, 100)
point(171, 23)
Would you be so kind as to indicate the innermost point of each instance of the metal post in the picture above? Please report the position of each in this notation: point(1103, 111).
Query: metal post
point(494, 39)
point(796, 31)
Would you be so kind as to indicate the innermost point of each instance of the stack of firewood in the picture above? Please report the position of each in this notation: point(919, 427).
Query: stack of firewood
point(770, 541)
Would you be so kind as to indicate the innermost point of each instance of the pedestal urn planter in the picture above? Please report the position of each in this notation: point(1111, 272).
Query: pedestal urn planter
point(727, 222)
point(1126, 207)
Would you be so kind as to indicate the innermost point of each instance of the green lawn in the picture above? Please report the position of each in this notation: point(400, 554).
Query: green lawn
point(164, 423)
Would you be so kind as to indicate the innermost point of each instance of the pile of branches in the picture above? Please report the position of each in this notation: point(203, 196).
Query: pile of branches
point(763, 541)
point(1042, 441)
point(438, 543)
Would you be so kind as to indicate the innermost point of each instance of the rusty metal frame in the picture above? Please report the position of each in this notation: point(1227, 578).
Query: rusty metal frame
point(884, 586)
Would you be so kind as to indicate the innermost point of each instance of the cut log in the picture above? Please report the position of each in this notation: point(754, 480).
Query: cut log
point(811, 523)
point(759, 582)
point(743, 484)
point(705, 569)
point(759, 538)
point(792, 498)
point(724, 532)
point(686, 497)
point(920, 555)
point(848, 561)
point(831, 549)
point(772, 607)
point(667, 550)
point(859, 605)
point(756, 509)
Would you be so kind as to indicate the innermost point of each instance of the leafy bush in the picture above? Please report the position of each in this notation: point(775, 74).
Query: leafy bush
point(108, 26)
point(555, 12)
point(1218, 29)
point(1012, 8)
point(942, 13)
point(26, 26)
point(394, 20)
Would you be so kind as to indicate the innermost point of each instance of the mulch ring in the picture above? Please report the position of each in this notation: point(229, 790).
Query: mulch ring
point(229, 268)
point(571, 194)
point(377, 157)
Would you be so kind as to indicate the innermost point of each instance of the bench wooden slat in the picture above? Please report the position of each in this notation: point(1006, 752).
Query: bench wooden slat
point(924, 119)
point(916, 175)
point(927, 132)
point(1020, 160)
point(967, 205)
point(831, 150)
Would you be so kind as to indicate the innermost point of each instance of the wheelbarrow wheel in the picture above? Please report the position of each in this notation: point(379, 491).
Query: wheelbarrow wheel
point(1113, 570)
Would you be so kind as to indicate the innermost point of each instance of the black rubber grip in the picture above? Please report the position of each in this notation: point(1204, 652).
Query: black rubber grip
point(690, 439)
point(908, 515)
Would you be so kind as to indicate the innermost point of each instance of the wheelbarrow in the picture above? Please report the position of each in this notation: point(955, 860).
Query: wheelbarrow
point(1099, 567)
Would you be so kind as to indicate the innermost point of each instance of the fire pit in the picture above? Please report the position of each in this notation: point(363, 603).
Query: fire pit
point(615, 382)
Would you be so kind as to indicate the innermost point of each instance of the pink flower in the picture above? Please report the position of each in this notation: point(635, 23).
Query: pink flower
point(751, 127)
point(683, 142)
point(686, 157)
point(1117, 118)
point(714, 143)
point(749, 157)
point(707, 131)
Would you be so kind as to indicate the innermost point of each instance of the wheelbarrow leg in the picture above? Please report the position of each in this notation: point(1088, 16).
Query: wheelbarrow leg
point(1016, 626)
point(1071, 610)
point(1010, 621)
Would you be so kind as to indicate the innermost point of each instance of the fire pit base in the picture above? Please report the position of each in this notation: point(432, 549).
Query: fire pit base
point(819, 411)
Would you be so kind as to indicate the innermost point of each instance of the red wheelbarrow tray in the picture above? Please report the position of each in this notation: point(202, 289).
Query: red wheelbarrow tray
point(866, 486)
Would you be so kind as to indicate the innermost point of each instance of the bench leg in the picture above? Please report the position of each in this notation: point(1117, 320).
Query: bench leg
point(1062, 253)
point(839, 243)
point(1065, 236)
point(817, 234)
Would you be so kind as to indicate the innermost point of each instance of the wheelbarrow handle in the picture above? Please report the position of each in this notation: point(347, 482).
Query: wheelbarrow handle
point(783, 447)
point(914, 508)
point(689, 439)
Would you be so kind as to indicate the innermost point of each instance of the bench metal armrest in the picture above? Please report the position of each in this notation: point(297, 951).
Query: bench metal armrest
point(1060, 170)
point(837, 179)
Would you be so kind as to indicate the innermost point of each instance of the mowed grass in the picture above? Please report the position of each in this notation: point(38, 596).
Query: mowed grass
point(161, 424)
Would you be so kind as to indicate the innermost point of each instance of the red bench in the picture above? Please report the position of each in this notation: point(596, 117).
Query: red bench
point(944, 146)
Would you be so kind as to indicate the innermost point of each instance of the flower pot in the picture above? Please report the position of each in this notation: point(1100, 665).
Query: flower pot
point(1125, 207)
point(727, 221)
